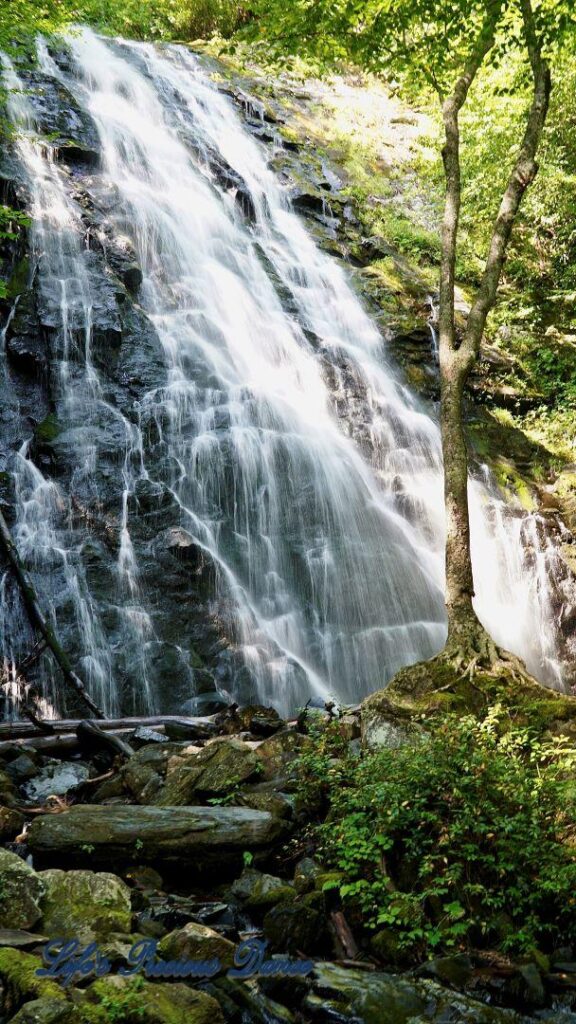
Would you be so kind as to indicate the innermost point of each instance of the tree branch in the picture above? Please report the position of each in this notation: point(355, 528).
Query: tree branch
point(451, 157)
point(523, 174)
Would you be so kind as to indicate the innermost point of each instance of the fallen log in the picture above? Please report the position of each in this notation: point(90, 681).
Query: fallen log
point(94, 739)
point(59, 743)
point(20, 730)
point(196, 838)
point(38, 620)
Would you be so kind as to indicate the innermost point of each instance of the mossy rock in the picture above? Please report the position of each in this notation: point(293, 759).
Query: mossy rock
point(258, 891)
point(21, 890)
point(48, 430)
point(47, 1011)
point(135, 1001)
point(214, 771)
point(278, 752)
point(435, 687)
point(298, 927)
point(20, 981)
point(87, 905)
point(197, 942)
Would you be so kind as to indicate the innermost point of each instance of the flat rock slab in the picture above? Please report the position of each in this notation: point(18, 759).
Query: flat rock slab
point(204, 836)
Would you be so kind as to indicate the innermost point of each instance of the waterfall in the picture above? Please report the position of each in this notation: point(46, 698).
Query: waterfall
point(301, 467)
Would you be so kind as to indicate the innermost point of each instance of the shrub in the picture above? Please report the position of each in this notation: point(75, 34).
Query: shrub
point(461, 839)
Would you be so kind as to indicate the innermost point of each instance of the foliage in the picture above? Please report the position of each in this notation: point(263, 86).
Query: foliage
point(459, 839)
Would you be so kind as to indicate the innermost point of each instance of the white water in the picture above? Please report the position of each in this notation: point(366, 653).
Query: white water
point(301, 463)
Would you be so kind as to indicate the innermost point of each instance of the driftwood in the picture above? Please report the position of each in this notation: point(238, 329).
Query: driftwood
point(21, 730)
point(94, 739)
point(344, 935)
point(38, 619)
point(65, 740)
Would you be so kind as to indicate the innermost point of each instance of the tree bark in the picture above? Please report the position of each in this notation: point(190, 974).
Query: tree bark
point(457, 360)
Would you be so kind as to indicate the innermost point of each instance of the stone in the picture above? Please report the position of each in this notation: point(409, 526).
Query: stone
point(148, 1003)
point(11, 823)
point(21, 769)
point(21, 890)
point(213, 771)
point(278, 804)
point(47, 1011)
point(279, 751)
point(197, 942)
point(143, 774)
point(17, 938)
point(141, 736)
point(260, 720)
point(20, 982)
point(305, 874)
point(84, 904)
point(258, 891)
point(450, 970)
point(210, 836)
point(190, 731)
point(8, 792)
point(55, 779)
point(296, 928)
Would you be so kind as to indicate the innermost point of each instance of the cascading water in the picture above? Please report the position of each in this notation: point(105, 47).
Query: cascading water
point(299, 463)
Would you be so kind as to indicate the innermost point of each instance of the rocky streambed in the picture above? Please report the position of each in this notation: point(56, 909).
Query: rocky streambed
point(184, 849)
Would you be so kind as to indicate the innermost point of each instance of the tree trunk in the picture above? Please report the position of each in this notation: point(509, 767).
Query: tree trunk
point(457, 359)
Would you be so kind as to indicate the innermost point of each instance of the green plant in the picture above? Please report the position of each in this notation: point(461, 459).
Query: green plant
point(126, 1006)
point(459, 839)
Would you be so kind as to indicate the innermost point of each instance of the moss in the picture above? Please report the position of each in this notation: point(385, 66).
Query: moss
point(20, 981)
point(48, 430)
point(434, 687)
point(19, 278)
point(113, 1000)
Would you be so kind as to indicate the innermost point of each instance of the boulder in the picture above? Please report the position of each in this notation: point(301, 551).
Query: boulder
point(143, 774)
point(147, 1003)
point(11, 823)
point(306, 872)
point(21, 889)
point(258, 891)
point(207, 836)
point(8, 792)
point(197, 942)
point(19, 980)
point(47, 1011)
point(297, 927)
point(87, 905)
point(213, 771)
point(260, 720)
point(279, 751)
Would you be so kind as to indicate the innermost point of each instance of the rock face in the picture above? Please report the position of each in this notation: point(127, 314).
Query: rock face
point(21, 889)
point(207, 837)
point(84, 904)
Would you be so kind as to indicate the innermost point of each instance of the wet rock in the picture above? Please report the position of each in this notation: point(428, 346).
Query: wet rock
point(144, 878)
point(383, 724)
point(11, 823)
point(168, 1003)
point(215, 770)
point(197, 942)
point(450, 970)
point(47, 1011)
point(298, 927)
point(349, 995)
point(84, 904)
point(20, 892)
point(55, 779)
point(258, 891)
point(213, 837)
